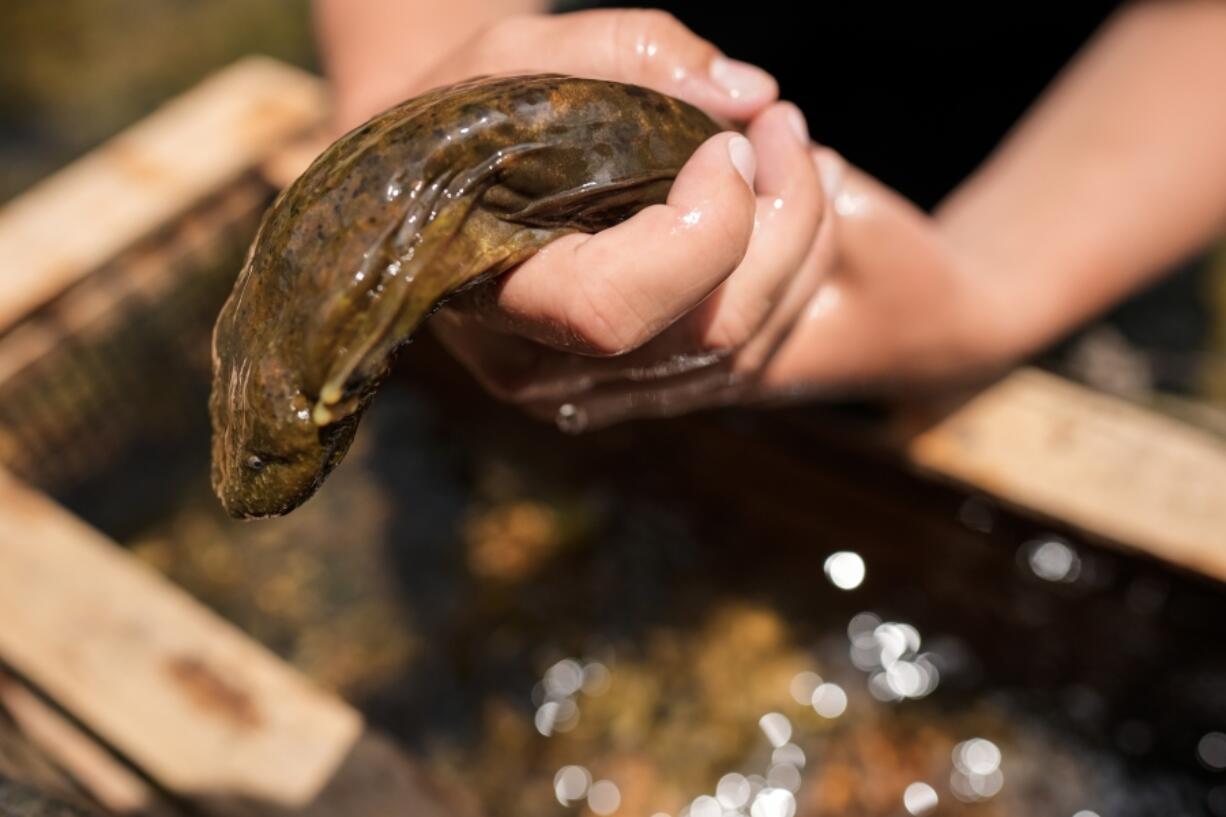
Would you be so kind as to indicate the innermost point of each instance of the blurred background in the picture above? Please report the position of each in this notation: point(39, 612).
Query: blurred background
point(570, 626)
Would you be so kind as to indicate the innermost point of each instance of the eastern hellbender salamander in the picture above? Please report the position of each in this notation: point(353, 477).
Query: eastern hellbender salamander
point(439, 193)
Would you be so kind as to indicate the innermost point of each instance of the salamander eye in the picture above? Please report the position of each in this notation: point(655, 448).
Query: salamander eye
point(255, 462)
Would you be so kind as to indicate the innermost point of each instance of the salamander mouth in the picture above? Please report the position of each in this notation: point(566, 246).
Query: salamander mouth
point(249, 502)
point(336, 439)
point(283, 486)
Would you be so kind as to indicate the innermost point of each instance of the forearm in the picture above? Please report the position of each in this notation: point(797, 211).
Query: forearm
point(1118, 173)
point(404, 37)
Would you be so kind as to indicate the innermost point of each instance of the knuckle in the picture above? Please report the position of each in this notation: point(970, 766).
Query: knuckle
point(506, 33)
point(730, 231)
point(638, 35)
point(655, 21)
point(600, 320)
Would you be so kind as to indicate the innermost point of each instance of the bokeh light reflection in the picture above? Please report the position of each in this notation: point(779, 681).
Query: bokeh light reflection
point(571, 783)
point(776, 727)
point(733, 791)
point(920, 798)
point(845, 569)
point(706, 806)
point(1212, 751)
point(773, 803)
point(1052, 559)
point(829, 700)
point(977, 774)
point(604, 797)
point(802, 686)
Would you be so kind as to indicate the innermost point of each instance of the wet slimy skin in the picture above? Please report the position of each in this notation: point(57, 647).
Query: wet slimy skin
point(442, 192)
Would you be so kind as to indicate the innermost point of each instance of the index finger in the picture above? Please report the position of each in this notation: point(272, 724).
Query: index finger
point(644, 47)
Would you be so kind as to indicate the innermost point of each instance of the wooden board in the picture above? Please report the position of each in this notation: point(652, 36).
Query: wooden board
point(79, 218)
point(111, 784)
point(1113, 469)
point(193, 702)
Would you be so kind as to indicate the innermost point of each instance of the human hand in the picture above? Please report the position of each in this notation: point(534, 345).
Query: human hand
point(605, 295)
point(880, 301)
point(639, 46)
point(658, 316)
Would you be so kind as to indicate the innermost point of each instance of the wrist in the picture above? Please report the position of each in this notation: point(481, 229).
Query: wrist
point(1023, 293)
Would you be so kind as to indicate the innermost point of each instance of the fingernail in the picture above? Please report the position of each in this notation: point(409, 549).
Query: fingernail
point(801, 128)
point(743, 159)
point(740, 79)
point(830, 169)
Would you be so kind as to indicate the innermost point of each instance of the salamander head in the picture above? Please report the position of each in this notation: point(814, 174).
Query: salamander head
point(268, 461)
point(270, 450)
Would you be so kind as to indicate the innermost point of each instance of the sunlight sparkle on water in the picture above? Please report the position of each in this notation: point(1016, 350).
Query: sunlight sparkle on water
point(829, 700)
point(1052, 559)
point(776, 727)
point(706, 806)
point(977, 774)
point(1212, 751)
point(604, 797)
point(845, 569)
point(733, 791)
point(773, 803)
point(920, 798)
point(571, 783)
point(802, 686)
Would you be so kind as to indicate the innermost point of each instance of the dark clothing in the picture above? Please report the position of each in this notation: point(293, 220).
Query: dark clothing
point(917, 94)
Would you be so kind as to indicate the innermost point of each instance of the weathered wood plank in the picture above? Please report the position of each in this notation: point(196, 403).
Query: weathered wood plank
point(188, 698)
point(83, 216)
point(293, 158)
point(193, 702)
point(91, 766)
point(1113, 469)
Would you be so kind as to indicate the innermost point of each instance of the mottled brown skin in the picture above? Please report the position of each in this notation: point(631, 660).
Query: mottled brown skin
point(439, 193)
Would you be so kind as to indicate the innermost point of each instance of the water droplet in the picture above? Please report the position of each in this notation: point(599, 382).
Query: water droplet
point(571, 419)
